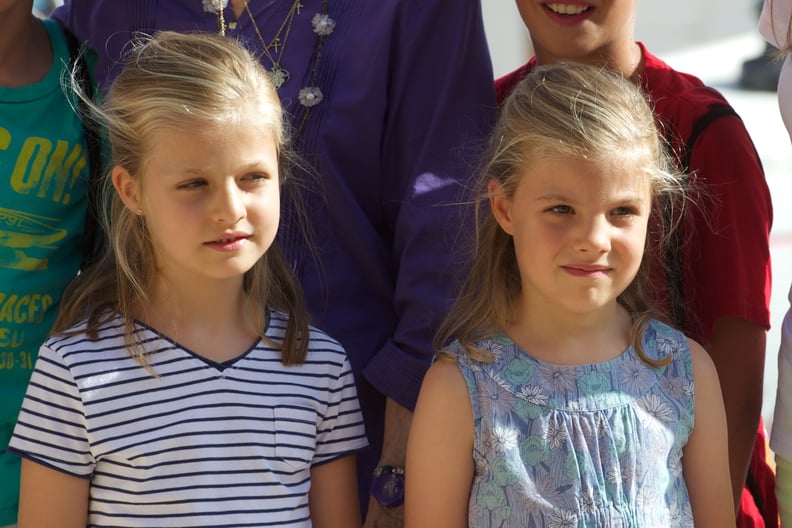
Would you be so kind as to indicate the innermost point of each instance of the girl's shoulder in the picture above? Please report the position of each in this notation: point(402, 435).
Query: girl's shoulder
point(660, 340)
point(88, 349)
point(319, 342)
point(491, 349)
point(110, 327)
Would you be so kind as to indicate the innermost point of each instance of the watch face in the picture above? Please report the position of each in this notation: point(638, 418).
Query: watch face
point(388, 489)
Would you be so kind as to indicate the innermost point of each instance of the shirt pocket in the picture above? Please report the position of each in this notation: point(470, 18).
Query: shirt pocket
point(295, 436)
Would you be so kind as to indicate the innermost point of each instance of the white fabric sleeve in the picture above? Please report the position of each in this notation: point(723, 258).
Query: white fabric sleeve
point(52, 429)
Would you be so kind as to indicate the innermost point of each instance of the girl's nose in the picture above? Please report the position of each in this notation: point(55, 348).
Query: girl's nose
point(230, 204)
point(594, 236)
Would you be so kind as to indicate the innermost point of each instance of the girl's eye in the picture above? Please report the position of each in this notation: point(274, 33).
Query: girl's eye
point(560, 209)
point(191, 184)
point(625, 211)
point(256, 176)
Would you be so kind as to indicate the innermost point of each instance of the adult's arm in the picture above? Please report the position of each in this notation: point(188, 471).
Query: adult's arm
point(441, 106)
point(398, 420)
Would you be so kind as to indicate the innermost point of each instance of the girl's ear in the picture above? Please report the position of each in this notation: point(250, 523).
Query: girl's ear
point(500, 205)
point(128, 188)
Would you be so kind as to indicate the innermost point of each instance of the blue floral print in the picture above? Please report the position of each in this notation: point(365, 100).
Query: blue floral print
point(561, 446)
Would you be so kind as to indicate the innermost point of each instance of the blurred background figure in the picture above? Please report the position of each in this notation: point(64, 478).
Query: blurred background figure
point(762, 71)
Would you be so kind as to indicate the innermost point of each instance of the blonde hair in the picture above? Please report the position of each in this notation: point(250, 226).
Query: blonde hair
point(177, 82)
point(565, 110)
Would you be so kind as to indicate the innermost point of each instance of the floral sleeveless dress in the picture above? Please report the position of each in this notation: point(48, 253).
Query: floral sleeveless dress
point(581, 446)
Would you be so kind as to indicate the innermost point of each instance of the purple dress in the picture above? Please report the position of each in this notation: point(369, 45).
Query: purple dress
point(406, 100)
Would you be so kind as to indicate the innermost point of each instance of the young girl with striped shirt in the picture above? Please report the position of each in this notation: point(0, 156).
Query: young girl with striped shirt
point(182, 385)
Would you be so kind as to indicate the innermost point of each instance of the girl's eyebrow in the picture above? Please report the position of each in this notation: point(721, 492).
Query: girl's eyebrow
point(252, 166)
point(554, 197)
point(627, 196)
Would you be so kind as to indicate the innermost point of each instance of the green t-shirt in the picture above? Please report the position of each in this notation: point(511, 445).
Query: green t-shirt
point(44, 174)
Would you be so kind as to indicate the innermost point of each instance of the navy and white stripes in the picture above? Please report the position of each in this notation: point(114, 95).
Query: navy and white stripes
point(196, 445)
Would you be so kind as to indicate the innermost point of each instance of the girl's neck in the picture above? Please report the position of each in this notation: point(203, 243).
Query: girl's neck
point(25, 51)
point(213, 321)
point(570, 338)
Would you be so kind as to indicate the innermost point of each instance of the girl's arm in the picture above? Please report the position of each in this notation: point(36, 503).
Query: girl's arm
point(51, 498)
point(439, 471)
point(705, 460)
point(333, 498)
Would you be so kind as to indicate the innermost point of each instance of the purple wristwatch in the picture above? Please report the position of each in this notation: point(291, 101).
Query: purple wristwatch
point(387, 485)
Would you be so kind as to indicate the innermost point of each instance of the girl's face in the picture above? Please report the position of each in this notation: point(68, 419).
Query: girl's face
point(593, 32)
point(579, 230)
point(210, 199)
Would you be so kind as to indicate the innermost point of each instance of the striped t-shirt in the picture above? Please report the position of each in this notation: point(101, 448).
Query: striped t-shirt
point(199, 445)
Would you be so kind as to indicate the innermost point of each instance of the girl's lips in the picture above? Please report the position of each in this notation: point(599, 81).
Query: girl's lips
point(228, 244)
point(587, 271)
point(568, 14)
